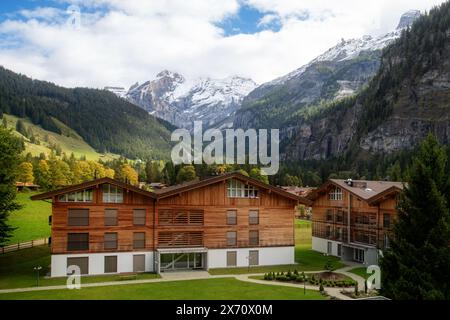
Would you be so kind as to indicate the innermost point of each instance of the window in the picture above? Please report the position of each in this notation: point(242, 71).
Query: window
point(231, 259)
point(339, 234)
point(328, 231)
point(77, 241)
point(81, 262)
point(358, 255)
point(339, 250)
point(112, 194)
point(139, 263)
point(329, 248)
point(78, 196)
point(329, 215)
point(253, 217)
point(387, 244)
point(78, 217)
point(110, 240)
point(139, 217)
point(386, 220)
point(232, 217)
point(253, 258)
point(231, 238)
point(254, 237)
point(111, 217)
point(340, 216)
point(139, 240)
point(335, 194)
point(110, 264)
point(238, 189)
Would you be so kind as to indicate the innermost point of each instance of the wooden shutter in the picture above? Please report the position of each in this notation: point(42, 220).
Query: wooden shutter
point(77, 241)
point(231, 259)
point(139, 263)
point(139, 217)
point(231, 217)
point(81, 262)
point(110, 264)
point(110, 240)
point(139, 240)
point(77, 217)
point(111, 217)
point(253, 258)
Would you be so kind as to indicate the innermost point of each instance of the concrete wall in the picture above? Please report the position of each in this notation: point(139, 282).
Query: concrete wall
point(97, 262)
point(267, 257)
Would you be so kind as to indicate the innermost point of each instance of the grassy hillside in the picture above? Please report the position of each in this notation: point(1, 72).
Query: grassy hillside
point(106, 122)
point(31, 221)
point(69, 141)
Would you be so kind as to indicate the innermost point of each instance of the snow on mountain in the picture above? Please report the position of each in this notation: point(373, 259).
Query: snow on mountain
point(118, 91)
point(181, 102)
point(351, 49)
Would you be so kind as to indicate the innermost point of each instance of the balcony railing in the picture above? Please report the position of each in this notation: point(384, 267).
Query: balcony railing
point(249, 244)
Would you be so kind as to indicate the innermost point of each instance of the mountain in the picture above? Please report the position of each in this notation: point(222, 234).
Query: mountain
point(338, 73)
point(104, 121)
point(408, 98)
point(181, 102)
point(121, 92)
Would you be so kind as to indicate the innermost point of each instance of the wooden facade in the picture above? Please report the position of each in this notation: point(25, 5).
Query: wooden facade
point(178, 217)
point(355, 212)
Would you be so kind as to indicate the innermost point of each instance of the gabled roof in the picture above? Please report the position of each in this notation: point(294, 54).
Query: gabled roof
point(89, 184)
point(173, 190)
point(366, 190)
point(167, 192)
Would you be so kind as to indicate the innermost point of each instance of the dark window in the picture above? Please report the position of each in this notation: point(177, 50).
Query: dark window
point(139, 217)
point(77, 241)
point(231, 259)
point(253, 217)
point(254, 238)
point(110, 264)
point(329, 215)
point(253, 258)
point(78, 217)
point(231, 238)
point(110, 240)
point(139, 240)
point(111, 217)
point(386, 220)
point(231, 217)
point(82, 263)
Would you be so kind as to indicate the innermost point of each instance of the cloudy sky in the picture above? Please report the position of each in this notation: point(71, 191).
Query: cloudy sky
point(116, 42)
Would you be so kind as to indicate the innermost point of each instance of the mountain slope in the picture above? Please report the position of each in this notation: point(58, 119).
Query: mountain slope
point(338, 73)
point(104, 121)
point(408, 98)
point(181, 102)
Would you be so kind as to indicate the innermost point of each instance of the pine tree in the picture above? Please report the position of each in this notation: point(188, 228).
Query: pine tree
point(10, 149)
point(25, 172)
point(418, 264)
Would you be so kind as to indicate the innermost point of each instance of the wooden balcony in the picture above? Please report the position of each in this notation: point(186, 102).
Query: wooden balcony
point(180, 239)
point(170, 217)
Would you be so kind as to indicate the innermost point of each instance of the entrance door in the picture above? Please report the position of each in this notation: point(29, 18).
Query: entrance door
point(181, 261)
point(139, 263)
point(358, 255)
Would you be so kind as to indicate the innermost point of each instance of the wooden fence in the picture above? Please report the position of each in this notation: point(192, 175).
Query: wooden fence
point(23, 245)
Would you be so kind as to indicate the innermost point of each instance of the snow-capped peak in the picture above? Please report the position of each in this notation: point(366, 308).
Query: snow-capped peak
point(408, 18)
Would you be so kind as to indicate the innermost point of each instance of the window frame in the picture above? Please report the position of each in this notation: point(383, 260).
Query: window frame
point(250, 257)
point(107, 218)
point(116, 241)
point(335, 194)
point(136, 240)
point(234, 244)
point(77, 248)
point(240, 190)
point(251, 239)
point(228, 259)
point(235, 217)
point(72, 197)
point(106, 258)
point(71, 220)
point(137, 220)
point(251, 220)
point(109, 196)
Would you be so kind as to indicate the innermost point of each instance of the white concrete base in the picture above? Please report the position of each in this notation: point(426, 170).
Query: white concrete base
point(97, 262)
point(321, 245)
point(217, 258)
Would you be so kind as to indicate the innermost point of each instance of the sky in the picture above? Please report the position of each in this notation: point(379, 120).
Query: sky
point(98, 43)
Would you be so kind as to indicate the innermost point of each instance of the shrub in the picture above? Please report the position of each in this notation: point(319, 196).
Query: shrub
point(296, 272)
point(321, 289)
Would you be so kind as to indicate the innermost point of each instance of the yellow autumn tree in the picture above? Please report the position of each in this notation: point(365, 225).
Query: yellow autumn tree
point(25, 172)
point(127, 174)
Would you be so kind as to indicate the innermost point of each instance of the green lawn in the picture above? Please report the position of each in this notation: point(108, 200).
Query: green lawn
point(31, 221)
point(213, 289)
point(306, 259)
point(362, 272)
point(16, 270)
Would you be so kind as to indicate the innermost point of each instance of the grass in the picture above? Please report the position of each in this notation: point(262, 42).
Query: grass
point(68, 140)
point(31, 221)
point(16, 270)
point(306, 259)
point(361, 271)
point(211, 289)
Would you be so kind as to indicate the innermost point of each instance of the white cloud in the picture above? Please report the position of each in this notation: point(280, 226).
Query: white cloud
point(135, 39)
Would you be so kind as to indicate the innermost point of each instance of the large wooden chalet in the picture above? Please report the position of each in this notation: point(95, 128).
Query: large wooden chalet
point(353, 219)
point(106, 226)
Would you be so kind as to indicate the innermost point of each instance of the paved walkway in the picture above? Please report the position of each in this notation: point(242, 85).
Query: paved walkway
point(200, 275)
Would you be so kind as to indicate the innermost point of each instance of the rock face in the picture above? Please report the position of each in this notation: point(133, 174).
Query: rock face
point(181, 102)
point(414, 100)
point(408, 19)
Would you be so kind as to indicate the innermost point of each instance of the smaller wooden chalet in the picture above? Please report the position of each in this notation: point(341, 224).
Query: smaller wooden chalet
point(353, 219)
